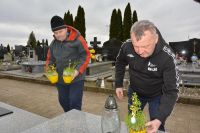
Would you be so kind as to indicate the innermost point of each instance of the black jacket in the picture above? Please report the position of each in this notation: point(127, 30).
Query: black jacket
point(152, 76)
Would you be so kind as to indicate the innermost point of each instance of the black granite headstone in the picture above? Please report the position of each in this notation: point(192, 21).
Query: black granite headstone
point(111, 49)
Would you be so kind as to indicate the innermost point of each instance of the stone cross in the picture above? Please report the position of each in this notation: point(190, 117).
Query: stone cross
point(95, 43)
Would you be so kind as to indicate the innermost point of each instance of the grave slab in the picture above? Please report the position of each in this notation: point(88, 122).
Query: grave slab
point(19, 120)
point(73, 121)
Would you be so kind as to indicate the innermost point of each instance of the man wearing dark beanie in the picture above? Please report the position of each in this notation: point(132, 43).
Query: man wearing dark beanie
point(67, 47)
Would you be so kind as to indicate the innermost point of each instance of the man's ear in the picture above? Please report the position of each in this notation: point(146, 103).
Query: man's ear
point(157, 37)
point(54, 36)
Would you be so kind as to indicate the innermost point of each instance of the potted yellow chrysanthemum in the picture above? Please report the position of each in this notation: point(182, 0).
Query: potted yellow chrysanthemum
point(52, 74)
point(136, 120)
point(68, 72)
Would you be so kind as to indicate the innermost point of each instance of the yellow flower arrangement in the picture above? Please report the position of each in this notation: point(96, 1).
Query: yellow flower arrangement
point(136, 119)
point(92, 54)
point(68, 72)
point(52, 74)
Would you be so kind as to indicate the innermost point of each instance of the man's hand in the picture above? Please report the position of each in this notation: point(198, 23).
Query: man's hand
point(152, 126)
point(76, 73)
point(119, 93)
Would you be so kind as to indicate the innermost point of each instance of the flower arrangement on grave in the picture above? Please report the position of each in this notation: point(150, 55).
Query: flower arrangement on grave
point(92, 54)
point(68, 72)
point(136, 120)
point(52, 74)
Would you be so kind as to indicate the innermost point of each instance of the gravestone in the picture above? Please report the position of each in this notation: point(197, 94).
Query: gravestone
point(110, 49)
point(98, 67)
point(126, 80)
point(32, 56)
point(7, 57)
point(73, 121)
point(98, 70)
point(18, 52)
point(189, 74)
point(33, 65)
point(8, 64)
point(95, 46)
point(3, 50)
point(19, 120)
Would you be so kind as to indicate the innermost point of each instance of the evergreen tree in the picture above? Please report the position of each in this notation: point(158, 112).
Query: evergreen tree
point(31, 40)
point(47, 44)
point(135, 18)
point(83, 30)
point(43, 43)
point(119, 25)
point(68, 18)
point(79, 22)
point(38, 43)
point(71, 20)
point(8, 48)
point(127, 23)
point(197, 1)
point(113, 25)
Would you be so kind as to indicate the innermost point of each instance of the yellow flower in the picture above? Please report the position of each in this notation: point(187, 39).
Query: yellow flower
point(93, 57)
point(92, 51)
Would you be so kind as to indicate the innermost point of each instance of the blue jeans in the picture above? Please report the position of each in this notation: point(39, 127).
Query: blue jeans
point(153, 102)
point(70, 95)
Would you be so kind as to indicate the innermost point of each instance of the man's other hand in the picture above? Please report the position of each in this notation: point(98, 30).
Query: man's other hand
point(76, 73)
point(119, 93)
point(152, 126)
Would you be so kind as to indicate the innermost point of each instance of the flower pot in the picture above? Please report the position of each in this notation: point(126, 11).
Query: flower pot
point(67, 79)
point(53, 78)
point(132, 131)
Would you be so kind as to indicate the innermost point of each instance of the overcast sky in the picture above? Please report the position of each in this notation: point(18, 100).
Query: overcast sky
point(177, 20)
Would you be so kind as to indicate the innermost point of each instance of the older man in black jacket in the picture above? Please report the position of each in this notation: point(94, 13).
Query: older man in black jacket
point(153, 73)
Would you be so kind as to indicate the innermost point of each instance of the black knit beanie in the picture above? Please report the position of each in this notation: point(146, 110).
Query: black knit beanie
point(57, 23)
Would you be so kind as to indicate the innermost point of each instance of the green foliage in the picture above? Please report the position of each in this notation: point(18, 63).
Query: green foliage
point(120, 26)
point(70, 69)
point(31, 40)
point(68, 18)
point(140, 121)
point(51, 70)
point(79, 22)
point(38, 43)
point(137, 113)
point(135, 104)
point(8, 48)
point(46, 42)
point(121, 30)
point(135, 18)
point(43, 42)
point(116, 30)
point(113, 25)
point(127, 22)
